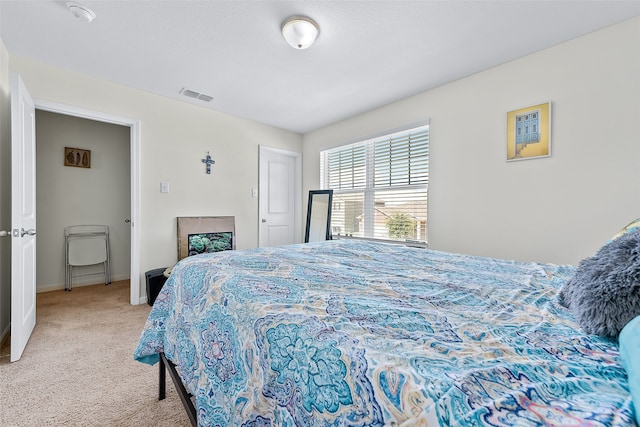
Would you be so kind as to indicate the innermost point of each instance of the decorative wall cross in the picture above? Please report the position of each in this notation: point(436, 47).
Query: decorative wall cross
point(208, 161)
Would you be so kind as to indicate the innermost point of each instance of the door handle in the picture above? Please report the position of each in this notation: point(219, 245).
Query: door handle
point(264, 220)
point(4, 233)
point(127, 221)
point(29, 232)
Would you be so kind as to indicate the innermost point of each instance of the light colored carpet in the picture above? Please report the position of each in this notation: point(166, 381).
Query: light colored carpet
point(78, 367)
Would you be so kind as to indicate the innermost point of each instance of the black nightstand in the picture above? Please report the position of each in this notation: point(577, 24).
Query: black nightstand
point(155, 280)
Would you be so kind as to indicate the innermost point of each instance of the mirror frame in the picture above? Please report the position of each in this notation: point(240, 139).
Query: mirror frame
point(312, 194)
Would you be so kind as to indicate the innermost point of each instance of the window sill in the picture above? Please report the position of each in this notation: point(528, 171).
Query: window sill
point(410, 243)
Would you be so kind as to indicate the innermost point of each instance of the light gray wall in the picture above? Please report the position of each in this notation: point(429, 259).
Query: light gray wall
point(78, 196)
point(175, 136)
point(558, 209)
point(5, 193)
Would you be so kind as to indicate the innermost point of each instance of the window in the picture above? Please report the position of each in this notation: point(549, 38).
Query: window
point(380, 186)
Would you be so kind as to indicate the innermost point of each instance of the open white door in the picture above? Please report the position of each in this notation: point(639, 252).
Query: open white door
point(23, 217)
point(280, 176)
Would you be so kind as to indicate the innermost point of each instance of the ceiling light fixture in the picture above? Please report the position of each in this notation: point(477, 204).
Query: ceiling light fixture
point(81, 11)
point(299, 31)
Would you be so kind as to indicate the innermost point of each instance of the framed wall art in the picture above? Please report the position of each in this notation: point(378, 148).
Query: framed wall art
point(77, 157)
point(529, 132)
point(205, 234)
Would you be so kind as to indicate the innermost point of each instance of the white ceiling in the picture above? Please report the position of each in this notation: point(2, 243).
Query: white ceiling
point(368, 53)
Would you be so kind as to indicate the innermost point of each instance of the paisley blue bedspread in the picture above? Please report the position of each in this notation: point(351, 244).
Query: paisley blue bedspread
point(359, 333)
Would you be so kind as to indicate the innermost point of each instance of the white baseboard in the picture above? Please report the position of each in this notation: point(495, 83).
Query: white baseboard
point(79, 283)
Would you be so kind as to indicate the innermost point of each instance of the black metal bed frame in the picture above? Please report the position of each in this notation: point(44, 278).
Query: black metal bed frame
point(185, 396)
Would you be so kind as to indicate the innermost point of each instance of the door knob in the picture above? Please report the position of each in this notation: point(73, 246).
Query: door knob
point(127, 221)
point(29, 232)
point(264, 220)
point(4, 233)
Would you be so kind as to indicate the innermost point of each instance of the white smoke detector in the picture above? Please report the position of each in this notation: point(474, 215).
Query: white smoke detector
point(81, 11)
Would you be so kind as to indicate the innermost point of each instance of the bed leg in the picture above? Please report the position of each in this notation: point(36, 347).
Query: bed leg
point(185, 397)
point(162, 378)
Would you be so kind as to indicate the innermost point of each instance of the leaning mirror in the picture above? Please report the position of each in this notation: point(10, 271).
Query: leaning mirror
point(318, 216)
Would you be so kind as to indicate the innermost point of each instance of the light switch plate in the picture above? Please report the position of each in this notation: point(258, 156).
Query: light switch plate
point(164, 187)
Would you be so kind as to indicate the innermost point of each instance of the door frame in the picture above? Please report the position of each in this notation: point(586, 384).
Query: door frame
point(262, 192)
point(134, 136)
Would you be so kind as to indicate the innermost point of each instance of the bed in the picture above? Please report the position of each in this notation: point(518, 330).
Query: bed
point(361, 333)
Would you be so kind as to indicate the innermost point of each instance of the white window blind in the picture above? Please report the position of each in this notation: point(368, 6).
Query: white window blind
point(380, 186)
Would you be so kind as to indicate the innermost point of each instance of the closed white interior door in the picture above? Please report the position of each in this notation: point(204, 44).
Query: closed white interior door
point(279, 187)
point(23, 217)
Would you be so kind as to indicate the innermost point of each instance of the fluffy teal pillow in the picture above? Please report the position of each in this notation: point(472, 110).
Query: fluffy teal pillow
point(630, 354)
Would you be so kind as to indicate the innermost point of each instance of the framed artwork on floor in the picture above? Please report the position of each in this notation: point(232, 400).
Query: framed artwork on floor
point(205, 234)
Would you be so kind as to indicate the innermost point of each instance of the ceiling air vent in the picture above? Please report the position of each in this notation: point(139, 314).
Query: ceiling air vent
point(196, 95)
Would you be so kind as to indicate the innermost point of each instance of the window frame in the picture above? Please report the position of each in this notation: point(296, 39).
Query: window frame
point(370, 189)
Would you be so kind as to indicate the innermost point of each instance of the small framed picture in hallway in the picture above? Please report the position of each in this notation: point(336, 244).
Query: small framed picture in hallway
point(77, 157)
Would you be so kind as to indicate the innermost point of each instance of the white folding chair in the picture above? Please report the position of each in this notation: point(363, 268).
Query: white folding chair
point(86, 245)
